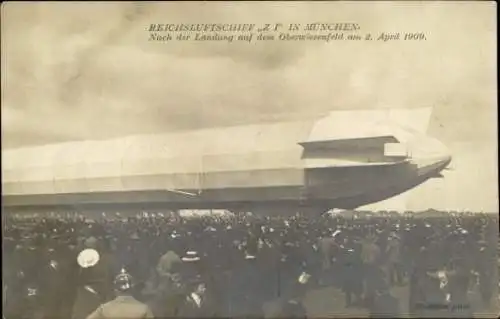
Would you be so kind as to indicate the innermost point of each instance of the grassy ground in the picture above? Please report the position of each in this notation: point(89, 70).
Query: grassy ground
point(328, 302)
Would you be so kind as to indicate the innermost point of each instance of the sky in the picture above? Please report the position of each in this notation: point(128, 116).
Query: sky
point(75, 71)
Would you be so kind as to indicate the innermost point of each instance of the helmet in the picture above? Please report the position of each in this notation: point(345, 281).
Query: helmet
point(123, 281)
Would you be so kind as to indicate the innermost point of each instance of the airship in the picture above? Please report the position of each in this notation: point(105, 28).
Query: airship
point(337, 160)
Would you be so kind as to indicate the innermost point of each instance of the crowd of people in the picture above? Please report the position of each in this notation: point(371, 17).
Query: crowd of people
point(158, 266)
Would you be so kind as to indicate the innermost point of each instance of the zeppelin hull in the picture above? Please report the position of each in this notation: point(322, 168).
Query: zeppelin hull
point(323, 187)
point(318, 162)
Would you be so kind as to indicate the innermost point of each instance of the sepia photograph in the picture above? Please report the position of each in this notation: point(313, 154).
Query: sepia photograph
point(280, 159)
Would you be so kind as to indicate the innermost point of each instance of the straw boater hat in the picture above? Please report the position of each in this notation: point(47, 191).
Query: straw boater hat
point(88, 258)
point(249, 256)
point(304, 278)
point(191, 256)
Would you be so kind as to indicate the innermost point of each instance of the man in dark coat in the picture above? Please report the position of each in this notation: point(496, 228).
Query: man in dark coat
point(245, 299)
point(166, 290)
point(167, 263)
point(95, 280)
point(416, 281)
point(198, 304)
point(328, 248)
point(202, 291)
point(485, 265)
point(53, 284)
point(352, 274)
point(373, 274)
point(458, 285)
point(393, 260)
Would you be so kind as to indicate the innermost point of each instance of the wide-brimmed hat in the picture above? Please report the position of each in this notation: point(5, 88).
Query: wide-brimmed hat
point(191, 256)
point(88, 258)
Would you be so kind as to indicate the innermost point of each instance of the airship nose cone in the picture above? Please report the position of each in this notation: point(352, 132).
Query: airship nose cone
point(446, 160)
point(430, 156)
